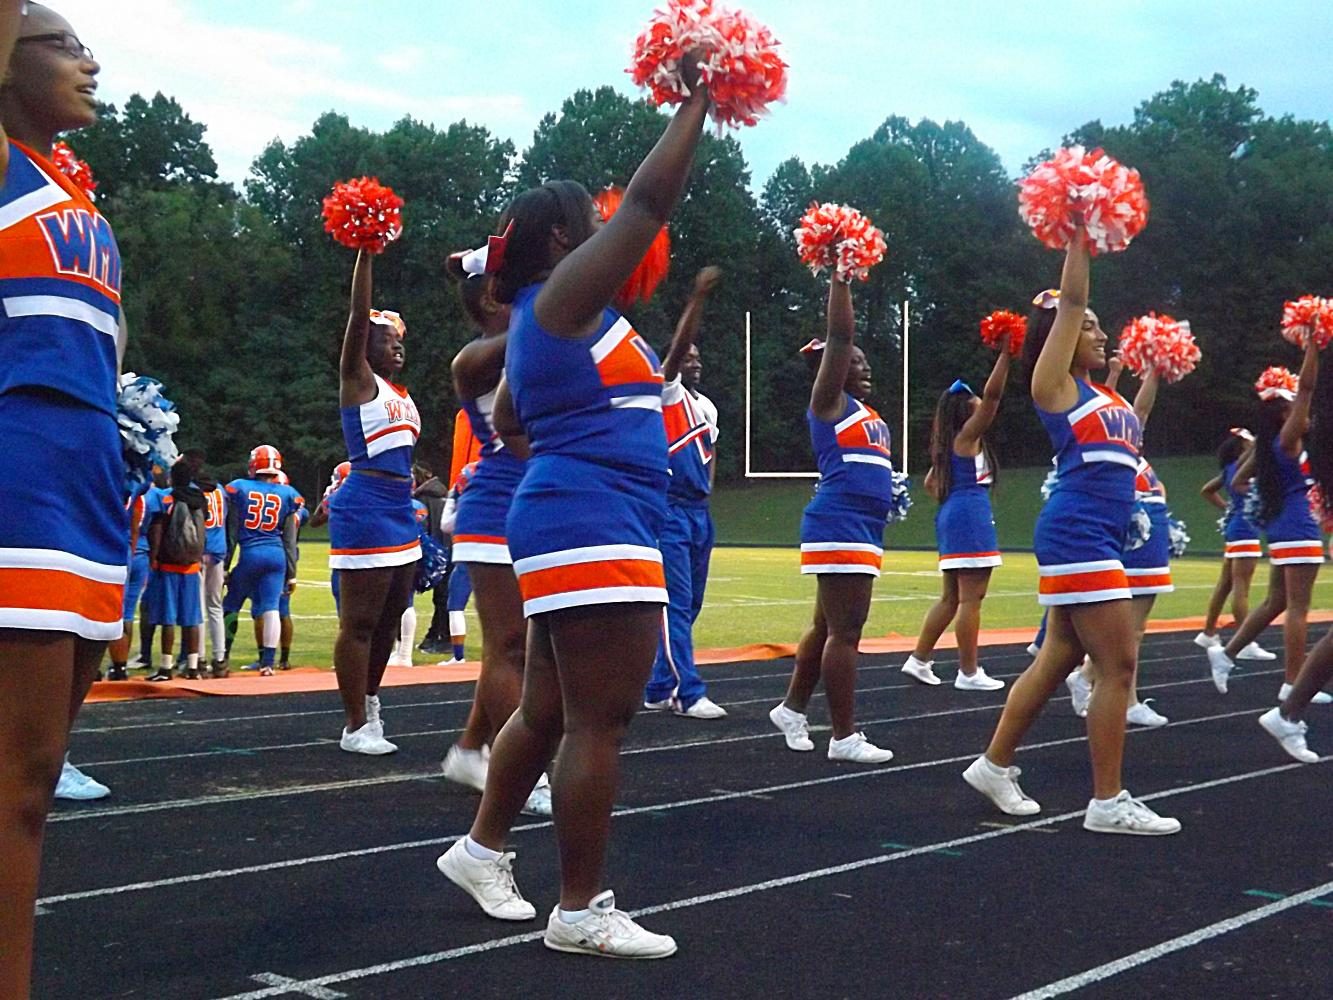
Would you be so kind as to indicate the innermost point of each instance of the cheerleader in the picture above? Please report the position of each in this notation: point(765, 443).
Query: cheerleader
point(582, 531)
point(63, 562)
point(1281, 474)
point(962, 472)
point(1243, 547)
point(842, 537)
point(1078, 541)
point(373, 537)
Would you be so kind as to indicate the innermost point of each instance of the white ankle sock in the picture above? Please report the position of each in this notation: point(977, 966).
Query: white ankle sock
point(478, 851)
point(571, 916)
point(992, 767)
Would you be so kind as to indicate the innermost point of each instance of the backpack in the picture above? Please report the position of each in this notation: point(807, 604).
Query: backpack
point(183, 535)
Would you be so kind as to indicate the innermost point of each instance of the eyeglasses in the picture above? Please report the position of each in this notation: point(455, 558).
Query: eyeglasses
point(66, 42)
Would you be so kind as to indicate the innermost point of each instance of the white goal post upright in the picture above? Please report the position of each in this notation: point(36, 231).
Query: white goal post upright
point(906, 354)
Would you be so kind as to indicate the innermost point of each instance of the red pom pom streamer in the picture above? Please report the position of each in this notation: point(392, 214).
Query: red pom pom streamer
point(72, 167)
point(1322, 515)
point(1109, 197)
point(738, 59)
point(1276, 377)
point(1308, 316)
point(1001, 322)
point(363, 214)
point(639, 286)
point(840, 239)
point(1160, 344)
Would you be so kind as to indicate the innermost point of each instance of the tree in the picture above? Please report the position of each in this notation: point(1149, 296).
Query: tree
point(150, 144)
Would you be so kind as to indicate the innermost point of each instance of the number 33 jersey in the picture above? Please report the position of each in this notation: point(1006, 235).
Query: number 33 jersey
point(261, 508)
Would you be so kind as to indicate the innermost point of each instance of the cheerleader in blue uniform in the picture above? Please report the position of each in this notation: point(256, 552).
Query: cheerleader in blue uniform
point(582, 531)
point(373, 535)
point(1078, 541)
point(961, 475)
point(842, 537)
point(1280, 470)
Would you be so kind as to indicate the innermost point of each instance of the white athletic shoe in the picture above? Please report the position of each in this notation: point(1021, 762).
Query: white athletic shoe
point(1291, 735)
point(657, 706)
point(1000, 785)
point(453, 661)
point(1205, 641)
point(1320, 697)
point(1221, 666)
point(400, 657)
point(1033, 650)
point(704, 708)
point(979, 681)
point(465, 767)
point(490, 883)
point(373, 718)
point(366, 740)
point(77, 786)
point(1080, 691)
point(856, 749)
point(1139, 714)
point(921, 671)
point(539, 802)
point(792, 725)
point(1254, 651)
point(607, 932)
point(1126, 814)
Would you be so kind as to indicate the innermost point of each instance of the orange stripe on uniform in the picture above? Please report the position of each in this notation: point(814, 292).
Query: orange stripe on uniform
point(1244, 548)
point(591, 576)
point(841, 557)
point(1154, 580)
point(374, 552)
point(1278, 552)
point(481, 539)
point(59, 590)
point(1084, 583)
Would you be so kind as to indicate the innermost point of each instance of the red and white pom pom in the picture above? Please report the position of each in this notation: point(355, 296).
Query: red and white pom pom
point(1160, 344)
point(1276, 379)
point(840, 239)
point(1322, 515)
point(1107, 195)
point(738, 59)
point(72, 167)
point(1000, 323)
point(1310, 315)
point(639, 286)
point(363, 214)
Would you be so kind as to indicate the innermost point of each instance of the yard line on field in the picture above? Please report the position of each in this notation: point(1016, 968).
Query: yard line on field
point(763, 602)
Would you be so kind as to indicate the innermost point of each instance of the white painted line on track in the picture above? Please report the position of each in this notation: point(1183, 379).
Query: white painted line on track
point(1146, 955)
point(766, 886)
point(625, 811)
point(297, 986)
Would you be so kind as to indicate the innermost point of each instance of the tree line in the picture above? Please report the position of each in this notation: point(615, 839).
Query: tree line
point(236, 299)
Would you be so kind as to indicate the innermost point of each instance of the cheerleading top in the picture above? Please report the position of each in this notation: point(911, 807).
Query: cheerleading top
point(1293, 473)
point(497, 458)
point(691, 430)
point(1096, 443)
point(969, 473)
point(382, 432)
point(854, 452)
point(59, 285)
point(1147, 487)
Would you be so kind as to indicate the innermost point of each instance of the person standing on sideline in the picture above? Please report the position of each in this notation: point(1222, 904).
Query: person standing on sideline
point(687, 537)
point(176, 540)
point(212, 573)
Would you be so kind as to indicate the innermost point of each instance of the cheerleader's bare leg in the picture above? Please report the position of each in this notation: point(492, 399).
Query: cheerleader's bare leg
point(845, 599)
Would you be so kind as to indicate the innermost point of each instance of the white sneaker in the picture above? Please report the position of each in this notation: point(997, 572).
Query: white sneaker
point(366, 740)
point(607, 932)
point(1033, 650)
point(921, 671)
point(1291, 735)
point(400, 657)
point(1254, 651)
point(979, 681)
point(1205, 641)
point(373, 718)
point(856, 749)
point(1080, 691)
point(1320, 697)
point(453, 661)
point(490, 883)
point(657, 706)
point(1126, 814)
point(792, 725)
point(77, 786)
point(1221, 666)
point(466, 767)
point(704, 708)
point(1000, 785)
point(1139, 714)
point(539, 802)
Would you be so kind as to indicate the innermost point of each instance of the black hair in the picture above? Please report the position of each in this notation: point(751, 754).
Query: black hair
point(1272, 415)
point(951, 413)
point(1230, 451)
point(182, 474)
point(534, 214)
point(1321, 443)
point(472, 289)
point(1040, 322)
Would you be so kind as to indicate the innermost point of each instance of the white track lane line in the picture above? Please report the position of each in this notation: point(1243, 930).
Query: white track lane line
point(1175, 944)
point(756, 887)
point(626, 811)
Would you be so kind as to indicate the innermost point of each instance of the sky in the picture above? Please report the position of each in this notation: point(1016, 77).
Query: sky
point(1021, 74)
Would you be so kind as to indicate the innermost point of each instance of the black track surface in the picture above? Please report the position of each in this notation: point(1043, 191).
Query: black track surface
point(209, 786)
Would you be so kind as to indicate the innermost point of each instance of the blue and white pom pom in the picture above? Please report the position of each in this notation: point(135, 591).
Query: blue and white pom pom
point(1139, 528)
point(900, 499)
point(433, 566)
point(1048, 485)
point(148, 422)
point(1179, 537)
point(1253, 506)
point(1222, 523)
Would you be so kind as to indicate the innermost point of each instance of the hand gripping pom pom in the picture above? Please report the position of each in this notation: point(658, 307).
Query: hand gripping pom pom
point(1276, 378)
point(1048, 485)
point(1308, 316)
point(1139, 528)
point(75, 169)
point(1107, 195)
point(433, 566)
point(1001, 322)
point(640, 285)
point(1160, 344)
point(1253, 507)
point(737, 58)
point(363, 214)
point(900, 498)
point(1179, 537)
point(839, 238)
point(148, 422)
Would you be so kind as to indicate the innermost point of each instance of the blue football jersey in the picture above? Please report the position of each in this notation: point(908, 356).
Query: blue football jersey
point(152, 506)
point(261, 509)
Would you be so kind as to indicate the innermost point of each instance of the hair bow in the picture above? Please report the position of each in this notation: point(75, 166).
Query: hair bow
point(959, 387)
point(386, 317)
point(1048, 299)
point(813, 347)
